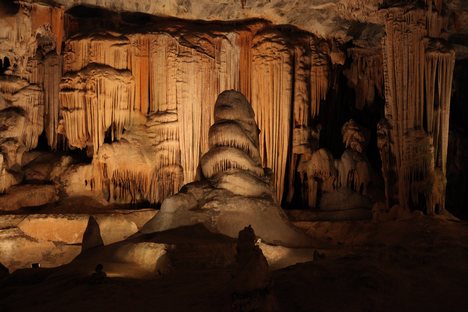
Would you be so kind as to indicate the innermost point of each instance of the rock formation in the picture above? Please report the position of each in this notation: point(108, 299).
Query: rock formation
point(321, 173)
point(251, 279)
point(116, 88)
point(234, 190)
point(418, 79)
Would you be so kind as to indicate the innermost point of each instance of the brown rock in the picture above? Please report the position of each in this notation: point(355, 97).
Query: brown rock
point(115, 228)
point(58, 228)
point(22, 196)
point(18, 250)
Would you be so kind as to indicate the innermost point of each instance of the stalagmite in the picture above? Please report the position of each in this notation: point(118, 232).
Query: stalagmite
point(354, 136)
point(231, 197)
point(159, 82)
point(318, 173)
point(144, 165)
point(169, 78)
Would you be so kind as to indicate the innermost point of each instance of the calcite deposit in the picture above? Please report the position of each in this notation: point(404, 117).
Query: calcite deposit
point(134, 94)
point(139, 138)
point(234, 190)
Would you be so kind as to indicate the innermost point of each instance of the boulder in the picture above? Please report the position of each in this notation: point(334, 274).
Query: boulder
point(139, 217)
point(279, 257)
point(18, 250)
point(67, 229)
point(148, 256)
point(114, 227)
point(22, 196)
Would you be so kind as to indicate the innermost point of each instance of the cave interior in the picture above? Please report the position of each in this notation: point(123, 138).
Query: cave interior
point(267, 155)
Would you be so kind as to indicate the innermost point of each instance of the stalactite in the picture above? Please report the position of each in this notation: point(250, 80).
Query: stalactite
point(94, 100)
point(53, 18)
point(318, 173)
point(228, 56)
point(30, 100)
point(102, 48)
point(437, 22)
point(170, 77)
point(163, 73)
point(52, 76)
point(183, 75)
point(319, 72)
point(387, 168)
point(139, 64)
point(365, 75)
point(440, 62)
point(31, 40)
point(271, 100)
point(301, 92)
point(195, 100)
point(244, 41)
point(163, 131)
point(418, 82)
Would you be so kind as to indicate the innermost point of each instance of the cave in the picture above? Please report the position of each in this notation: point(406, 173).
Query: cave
point(267, 155)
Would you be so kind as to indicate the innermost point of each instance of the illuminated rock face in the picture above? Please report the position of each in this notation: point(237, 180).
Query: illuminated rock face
point(145, 99)
point(418, 80)
point(137, 96)
point(233, 191)
point(55, 239)
point(177, 80)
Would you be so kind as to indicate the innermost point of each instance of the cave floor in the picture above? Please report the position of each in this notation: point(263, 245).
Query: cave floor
point(406, 265)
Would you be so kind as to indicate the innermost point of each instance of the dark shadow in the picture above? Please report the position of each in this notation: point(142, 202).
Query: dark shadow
point(9, 7)
point(92, 235)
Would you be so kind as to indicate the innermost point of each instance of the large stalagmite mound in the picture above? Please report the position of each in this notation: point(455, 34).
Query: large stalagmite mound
point(234, 190)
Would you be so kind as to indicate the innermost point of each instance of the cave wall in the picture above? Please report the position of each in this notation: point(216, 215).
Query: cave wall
point(158, 86)
point(135, 92)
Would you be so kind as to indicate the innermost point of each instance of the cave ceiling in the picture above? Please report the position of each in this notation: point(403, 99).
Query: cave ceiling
point(344, 20)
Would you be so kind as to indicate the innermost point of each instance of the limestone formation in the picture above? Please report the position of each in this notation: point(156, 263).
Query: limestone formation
point(418, 79)
point(233, 190)
point(365, 75)
point(53, 240)
point(125, 101)
point(251, 279)
point(320, 173)
point(27, 195)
